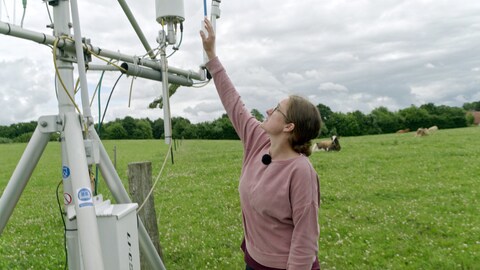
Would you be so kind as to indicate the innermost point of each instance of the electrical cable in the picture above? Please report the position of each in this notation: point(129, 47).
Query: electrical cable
point(48, 11)
point(55, 43)
point(99, 84)
point(109, 97)
point(103, 59)
point(200, 85)
point(131, 89)
point(151, 51)
point(64, 225)
point(177, 47)
point(156, 180)
point(76, 89)
point(24, 2)
point(99, 88)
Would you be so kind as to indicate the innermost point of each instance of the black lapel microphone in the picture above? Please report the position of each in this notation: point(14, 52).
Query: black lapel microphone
point(266, 159)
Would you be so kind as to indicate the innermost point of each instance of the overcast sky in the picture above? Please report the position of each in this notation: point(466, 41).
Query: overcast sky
point(349, 55)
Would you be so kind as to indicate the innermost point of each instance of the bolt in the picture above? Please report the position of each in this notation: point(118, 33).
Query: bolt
point(44, 124)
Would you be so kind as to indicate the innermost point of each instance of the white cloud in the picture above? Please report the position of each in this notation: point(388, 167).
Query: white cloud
point(392, 53)
point(332, 87)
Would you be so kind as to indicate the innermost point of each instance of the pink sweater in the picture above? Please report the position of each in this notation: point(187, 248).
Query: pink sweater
point(279, 201)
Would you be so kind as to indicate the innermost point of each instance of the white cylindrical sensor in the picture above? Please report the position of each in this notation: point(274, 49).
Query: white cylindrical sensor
point(170, 10)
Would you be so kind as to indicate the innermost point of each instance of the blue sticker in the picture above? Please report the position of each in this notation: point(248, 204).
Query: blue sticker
point(65, 172)
point(84, 194)
point(85, 197)
point(85, 204)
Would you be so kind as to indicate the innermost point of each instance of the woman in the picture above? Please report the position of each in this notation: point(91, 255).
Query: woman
point(279, 189)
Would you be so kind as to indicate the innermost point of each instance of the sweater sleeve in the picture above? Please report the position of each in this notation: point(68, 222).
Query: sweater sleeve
point(304, 196)
point(246, 125)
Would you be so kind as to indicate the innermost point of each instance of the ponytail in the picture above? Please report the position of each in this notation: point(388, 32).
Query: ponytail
point(306, 118)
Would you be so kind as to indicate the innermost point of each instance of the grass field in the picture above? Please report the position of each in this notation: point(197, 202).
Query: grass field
point(388, 202)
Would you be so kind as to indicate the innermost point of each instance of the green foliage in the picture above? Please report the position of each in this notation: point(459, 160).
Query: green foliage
point(181, 128)
point(379, 121)
point(470, 119)
point(473, 106)
point(54, 136)
point(5, 140)
point(386, 121)
point(158, 102)
point(143, 130)
point(415, 117)
point(23, 138)
point(158, 128)
point(115, 131)
point(223, 129)
point(391, 201)
point(15, 130)
point(325, 112)
point(258, 115)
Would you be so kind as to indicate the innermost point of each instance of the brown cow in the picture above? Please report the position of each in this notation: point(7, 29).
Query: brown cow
point(421, 132)
point(332, 145)
point(403, 131)
point(432, 129)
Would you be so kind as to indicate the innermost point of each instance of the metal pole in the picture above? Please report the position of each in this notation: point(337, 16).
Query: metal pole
point(73, 246)
point(152, 74)
point(89, 253)
point(15, 31)
point(65, 72)
point(82, 194)
point(81, 62)
point(20, 176)
point(120, 195)
point(166, 97)
point(137, 29)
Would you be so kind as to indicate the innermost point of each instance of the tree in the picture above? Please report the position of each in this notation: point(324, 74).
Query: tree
point(473, 106)
point(259, 116)
point(128, 124)
point(445, 116)
point(158, 128)
point(181, 127)
point(115, 131)
point(364, 122)
point(143, 130)
point(325, 111)
point(325, 114)
point(223, 128)
point(344, 124)
point(415, 117)
point(386, 121)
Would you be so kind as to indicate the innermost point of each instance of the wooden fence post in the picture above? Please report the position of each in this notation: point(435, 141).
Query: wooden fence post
point(139, 184)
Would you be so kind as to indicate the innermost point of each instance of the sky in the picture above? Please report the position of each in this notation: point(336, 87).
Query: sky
point(347, 54)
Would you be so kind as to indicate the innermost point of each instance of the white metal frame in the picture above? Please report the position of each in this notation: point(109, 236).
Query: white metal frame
point(83, 240)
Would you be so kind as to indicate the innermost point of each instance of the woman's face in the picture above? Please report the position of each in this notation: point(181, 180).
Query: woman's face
point(276, 118)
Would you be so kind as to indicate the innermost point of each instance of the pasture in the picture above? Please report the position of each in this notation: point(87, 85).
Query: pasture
point(388, 202)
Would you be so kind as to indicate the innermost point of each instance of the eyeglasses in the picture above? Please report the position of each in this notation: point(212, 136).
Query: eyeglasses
point(278, 110)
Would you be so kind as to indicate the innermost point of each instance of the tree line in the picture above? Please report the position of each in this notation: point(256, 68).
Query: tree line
point(378, 121)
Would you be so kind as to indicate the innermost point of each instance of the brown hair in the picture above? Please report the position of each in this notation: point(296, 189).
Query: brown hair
point(306, 118)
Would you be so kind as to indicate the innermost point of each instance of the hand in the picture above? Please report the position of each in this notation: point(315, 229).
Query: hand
point(208, 41)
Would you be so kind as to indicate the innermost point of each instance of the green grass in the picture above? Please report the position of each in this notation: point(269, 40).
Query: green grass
point(388, 202)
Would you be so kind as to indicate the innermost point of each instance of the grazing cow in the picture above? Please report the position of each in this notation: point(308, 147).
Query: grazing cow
point(403, 131)
point(332, 145)
point(432, 130)
point(421, 132)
